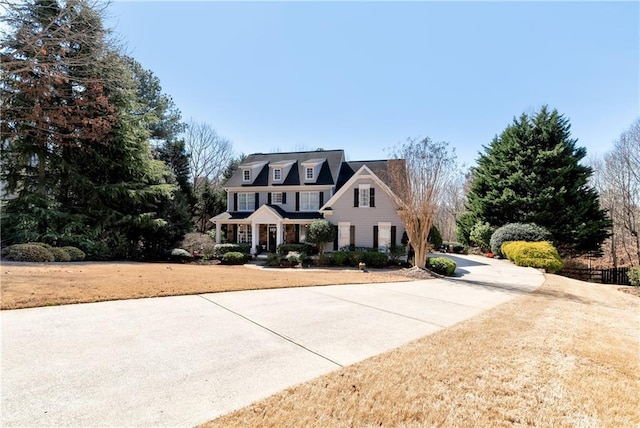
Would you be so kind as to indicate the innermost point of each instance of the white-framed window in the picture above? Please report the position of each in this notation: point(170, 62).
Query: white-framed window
point(344, 234)
point(276, 198)
point(246, 201)
point(309, 173)
point(277, 174)
point(309, 201)
point(364, 192)
point(246, 175)
point(244, 233)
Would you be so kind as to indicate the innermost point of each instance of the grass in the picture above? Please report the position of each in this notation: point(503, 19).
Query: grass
point(566, 355)
point(26, 285)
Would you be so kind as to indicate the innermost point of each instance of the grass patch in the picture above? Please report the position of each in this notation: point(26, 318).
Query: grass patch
point(31, 285)
point(565, 355)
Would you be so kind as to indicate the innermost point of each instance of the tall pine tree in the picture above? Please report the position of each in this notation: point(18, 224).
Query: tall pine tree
point(531, 173)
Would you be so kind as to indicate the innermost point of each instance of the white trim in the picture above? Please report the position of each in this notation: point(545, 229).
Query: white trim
point(344, 234)
point(359, 176)
point(313, 173)
point(244, 172)
point(296, 188)
point(279, 169)
point(272, 198)
point(250, 196)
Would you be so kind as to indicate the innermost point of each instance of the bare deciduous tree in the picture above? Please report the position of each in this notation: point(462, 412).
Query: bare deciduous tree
point(419, 183)
point(617, 178)
point(210, 153)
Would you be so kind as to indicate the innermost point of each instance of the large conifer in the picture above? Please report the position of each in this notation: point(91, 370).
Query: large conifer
point(531, 173)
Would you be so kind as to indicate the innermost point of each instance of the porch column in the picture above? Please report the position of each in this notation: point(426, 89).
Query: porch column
point(278, 233)
point(254, 237)
point(218, 232)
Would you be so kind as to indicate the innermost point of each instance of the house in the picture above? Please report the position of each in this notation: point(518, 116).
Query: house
point(273, 197)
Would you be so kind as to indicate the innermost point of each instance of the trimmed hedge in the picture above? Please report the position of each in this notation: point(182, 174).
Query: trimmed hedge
point(528, 232)
point(28, 253)
point(533, 254)
point(221, 249)
point(442, 265)
point(284, 249)
point(76, 254)
point(60, 254)
point(234, 258)
point(373, 259)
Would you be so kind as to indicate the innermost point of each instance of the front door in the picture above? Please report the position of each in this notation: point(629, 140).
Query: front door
point(271, 243)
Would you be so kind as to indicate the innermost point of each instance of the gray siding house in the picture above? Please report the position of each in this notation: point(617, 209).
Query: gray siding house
point(272, 198)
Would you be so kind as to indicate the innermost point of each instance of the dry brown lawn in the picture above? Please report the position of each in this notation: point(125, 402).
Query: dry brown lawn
point(565, 355)
point(30, 285)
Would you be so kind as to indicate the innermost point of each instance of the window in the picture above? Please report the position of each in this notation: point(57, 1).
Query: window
point(308, 173)
point(246, 175)
point(277, 174)
point(309, 201)
point(246, 201)
point(364, 197)
point(276, 198)
point(244, 233)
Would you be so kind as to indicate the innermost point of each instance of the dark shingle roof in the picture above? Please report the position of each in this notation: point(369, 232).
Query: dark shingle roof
point(328, 173)
point(378, 167)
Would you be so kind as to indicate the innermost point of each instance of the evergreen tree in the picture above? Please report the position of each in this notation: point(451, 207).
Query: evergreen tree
point(531, 173)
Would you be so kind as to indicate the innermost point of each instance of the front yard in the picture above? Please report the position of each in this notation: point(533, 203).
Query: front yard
point(26, 285)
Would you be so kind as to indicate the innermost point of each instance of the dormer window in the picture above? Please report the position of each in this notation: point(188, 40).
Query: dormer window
point(277, 174)
point(246, 175)
point(308, 173)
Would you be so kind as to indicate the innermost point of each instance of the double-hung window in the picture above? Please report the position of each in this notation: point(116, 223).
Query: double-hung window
point(246, 175)
point(244, 233)
point(277, 174)
point(276, 198)
point(364, 196)
point(246, 201)
point(309, 201)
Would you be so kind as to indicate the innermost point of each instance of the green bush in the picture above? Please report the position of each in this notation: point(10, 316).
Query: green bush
point(199, 243)
point(442, 265)
point(234, 258)
point(273, 259)
point(435, 237)
point(453, 247)
point(634, 275)
point(374, 259)
point(28, 253)
point(397, 253)
point(60, 254)
point(221, 249)
point(528, 232)
point(481, 235)
point(42, 244)
point(340, 258)
point(533, 254)
point(76, 254)
point(284, 249)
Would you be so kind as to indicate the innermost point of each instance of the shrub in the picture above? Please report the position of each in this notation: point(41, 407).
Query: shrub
point(284, 249)
point(273, 259)
point(396, 253)
point(634, 275)
point(221, 249)
point(374, 259)
point(528, 232)
point(199, 243)
point(75, 254)
point(481, 235)
point(533, 254)
point(442, 265)
point(234, 258)
point(60, 254)
point(41, 244)
point(453, 247)
point(28, 253)
point(180, 255)
point(340, 258)
point(434, 237)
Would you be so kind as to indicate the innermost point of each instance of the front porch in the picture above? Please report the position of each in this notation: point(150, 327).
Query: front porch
point(265, 229)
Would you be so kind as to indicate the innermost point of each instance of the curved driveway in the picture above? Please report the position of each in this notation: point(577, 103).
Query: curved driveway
point(180, 361)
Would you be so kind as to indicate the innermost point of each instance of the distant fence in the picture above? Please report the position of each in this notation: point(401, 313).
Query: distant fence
point(617, 276)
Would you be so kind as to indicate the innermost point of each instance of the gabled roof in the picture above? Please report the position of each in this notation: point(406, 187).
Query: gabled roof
point(327, 175)
point(349, 176)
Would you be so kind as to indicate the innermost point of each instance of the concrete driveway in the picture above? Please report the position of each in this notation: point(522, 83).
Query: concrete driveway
point(180, 361)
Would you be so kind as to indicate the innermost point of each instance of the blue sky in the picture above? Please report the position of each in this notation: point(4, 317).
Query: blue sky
point(364, 76)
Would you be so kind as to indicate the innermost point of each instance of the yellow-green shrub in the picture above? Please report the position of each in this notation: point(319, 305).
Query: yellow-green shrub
point(533, 254)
